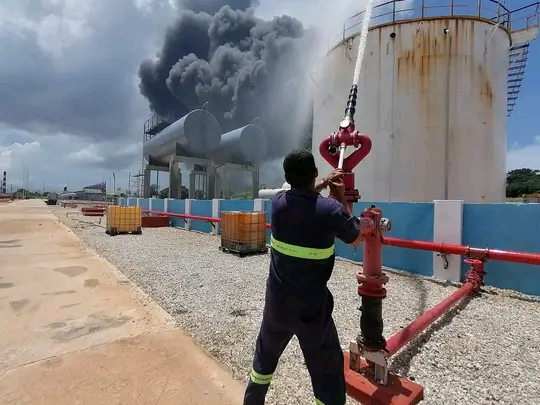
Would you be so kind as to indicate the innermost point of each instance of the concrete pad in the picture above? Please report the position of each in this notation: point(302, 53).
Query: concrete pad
point(76, 331)
point(146, 369)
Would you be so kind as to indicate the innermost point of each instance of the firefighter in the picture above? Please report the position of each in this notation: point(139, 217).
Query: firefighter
point(298, 302)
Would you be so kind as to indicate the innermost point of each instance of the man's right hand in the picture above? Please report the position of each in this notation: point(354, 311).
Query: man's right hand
point(335, 175)
point(336, 184)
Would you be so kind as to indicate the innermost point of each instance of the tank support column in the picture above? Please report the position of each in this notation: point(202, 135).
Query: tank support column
point(146, 182)
point(211, 172)
point(255, 184)
point(175, 179)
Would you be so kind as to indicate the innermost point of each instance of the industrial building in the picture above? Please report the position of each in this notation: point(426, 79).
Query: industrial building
point(196, 140)
point(94, 192)
point(435, 89)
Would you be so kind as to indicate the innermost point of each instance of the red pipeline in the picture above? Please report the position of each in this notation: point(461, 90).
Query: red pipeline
point(468, 251)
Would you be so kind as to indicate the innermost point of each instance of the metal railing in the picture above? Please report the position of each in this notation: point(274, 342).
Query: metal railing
point(157, 123)
point(400, 10)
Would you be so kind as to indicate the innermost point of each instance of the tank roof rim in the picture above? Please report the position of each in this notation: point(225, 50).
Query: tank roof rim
point(416, 19)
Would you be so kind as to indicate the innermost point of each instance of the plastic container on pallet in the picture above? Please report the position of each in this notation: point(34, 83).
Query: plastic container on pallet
point(243, 232)
point(123, 220)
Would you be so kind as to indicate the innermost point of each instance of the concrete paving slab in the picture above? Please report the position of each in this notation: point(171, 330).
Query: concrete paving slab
point(76, 331)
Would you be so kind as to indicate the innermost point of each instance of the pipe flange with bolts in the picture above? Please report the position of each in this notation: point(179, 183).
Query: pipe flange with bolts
point(385, 225)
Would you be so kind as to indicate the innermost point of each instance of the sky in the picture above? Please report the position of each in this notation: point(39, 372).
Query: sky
point(71, 109)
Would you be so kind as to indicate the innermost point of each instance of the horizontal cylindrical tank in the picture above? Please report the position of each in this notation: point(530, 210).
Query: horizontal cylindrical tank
point(432, 97)
point(245, 144)
point(197, 132)
point(271, 192)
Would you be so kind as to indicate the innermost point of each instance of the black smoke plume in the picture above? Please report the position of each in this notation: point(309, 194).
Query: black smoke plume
point(243, 66)
point(212, 6)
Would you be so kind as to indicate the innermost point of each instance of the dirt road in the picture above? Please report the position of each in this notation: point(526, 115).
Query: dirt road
point(75, 331)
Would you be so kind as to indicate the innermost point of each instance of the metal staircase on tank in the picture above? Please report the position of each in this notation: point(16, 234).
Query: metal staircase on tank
point(523, 25)
point(516, 71)
point(140, 184)
point(153, 126)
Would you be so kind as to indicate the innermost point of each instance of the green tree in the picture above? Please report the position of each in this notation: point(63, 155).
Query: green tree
point(245, 195)
point(27, 194)
point(198, 194)
point(184, 193)
point(154, 190)
point(522, 181)
point(164, 193)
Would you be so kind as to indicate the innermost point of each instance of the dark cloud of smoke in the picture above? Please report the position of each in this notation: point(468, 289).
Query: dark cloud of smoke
point(243, 66)
point(212, 6)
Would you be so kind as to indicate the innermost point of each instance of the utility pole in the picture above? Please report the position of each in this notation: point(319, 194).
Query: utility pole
point(23, 181)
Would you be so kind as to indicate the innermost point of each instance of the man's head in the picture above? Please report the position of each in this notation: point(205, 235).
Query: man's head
point(300, 169)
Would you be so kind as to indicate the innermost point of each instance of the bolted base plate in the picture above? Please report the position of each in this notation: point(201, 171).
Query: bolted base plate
point(398, 391)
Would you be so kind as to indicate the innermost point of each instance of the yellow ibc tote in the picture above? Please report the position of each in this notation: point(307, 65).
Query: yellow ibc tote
point(123, 220)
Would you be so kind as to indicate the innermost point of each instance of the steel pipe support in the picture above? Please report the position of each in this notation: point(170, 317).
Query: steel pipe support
point(371, 282)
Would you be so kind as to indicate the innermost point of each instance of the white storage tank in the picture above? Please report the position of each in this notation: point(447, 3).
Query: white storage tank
point(197, 132)
point(432, 96)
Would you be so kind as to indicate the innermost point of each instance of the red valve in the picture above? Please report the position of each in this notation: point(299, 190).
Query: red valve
point(329, 150)
point(476, 273)
point(348, 137)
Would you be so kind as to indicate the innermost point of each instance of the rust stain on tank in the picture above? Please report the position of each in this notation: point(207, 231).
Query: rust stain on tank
point(421, 65)
point(486, 91)
point(425, 63)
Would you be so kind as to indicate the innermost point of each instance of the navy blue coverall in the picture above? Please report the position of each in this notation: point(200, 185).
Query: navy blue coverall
point(298, 302)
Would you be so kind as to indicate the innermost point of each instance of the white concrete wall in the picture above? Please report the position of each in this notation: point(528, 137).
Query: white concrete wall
point(447, 228)
point(258, 204)
point(216, 213)
point(188, 212)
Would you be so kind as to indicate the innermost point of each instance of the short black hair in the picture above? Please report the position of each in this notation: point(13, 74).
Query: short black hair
point(300, 169)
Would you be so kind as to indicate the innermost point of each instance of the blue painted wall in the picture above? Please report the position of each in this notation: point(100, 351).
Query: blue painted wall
point(145, 203)
point(237, 205)
point(202, 208)
point(499, 226)
point(178, 207)
point(158, 204)
point(508, 227)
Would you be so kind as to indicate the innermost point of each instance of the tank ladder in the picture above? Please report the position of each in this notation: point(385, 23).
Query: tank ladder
point(517, 60)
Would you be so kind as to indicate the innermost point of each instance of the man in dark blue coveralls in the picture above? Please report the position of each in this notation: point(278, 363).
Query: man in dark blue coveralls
point(298, 302)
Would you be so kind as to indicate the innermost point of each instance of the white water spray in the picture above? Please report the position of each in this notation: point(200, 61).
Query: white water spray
point(363, 41)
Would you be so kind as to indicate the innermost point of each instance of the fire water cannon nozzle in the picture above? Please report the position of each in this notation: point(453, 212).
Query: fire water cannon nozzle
point(351, 108)
point(332, 149)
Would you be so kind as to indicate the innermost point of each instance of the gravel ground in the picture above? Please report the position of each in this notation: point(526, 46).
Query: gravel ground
point(485, 352)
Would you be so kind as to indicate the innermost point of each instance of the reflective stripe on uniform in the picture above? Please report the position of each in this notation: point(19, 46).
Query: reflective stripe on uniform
point(300, 251)
point(317, 402)
point(260, 379)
